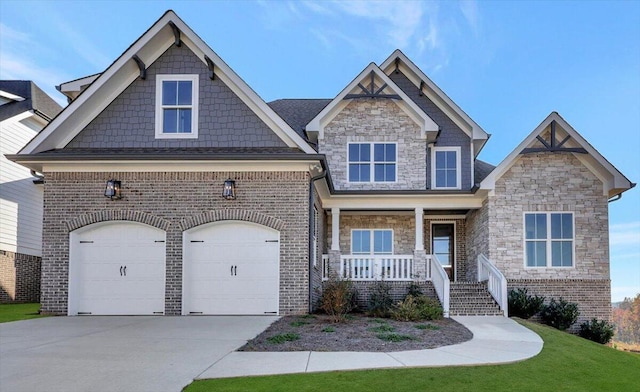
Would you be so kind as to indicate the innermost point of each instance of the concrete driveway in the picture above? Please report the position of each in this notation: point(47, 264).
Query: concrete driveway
point(118, 353)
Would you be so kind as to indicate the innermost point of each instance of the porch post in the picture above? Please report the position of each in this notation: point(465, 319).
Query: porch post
point(335, 228)
point(334, 252)
point(419, 256)
point(419, 229)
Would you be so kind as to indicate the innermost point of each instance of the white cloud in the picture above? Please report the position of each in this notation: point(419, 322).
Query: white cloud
point(621, 292)
point(471, 13)
point(623, 234)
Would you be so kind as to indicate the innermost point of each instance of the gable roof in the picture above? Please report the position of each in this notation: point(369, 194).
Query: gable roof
point(124, 70)
point(26, 96)
point(437, 96)
point(427, 125)
point(614, 181)
point(298, 112)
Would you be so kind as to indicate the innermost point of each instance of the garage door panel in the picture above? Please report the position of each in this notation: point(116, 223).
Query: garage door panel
point(231, 268)
point(118, 268)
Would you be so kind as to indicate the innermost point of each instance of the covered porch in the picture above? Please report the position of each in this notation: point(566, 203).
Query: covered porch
point(419, 245)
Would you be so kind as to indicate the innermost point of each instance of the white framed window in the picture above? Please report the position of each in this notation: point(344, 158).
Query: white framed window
point(549, 239)
point(176, 106)
point(372, 162)
point(445, 168)
point(367, 242)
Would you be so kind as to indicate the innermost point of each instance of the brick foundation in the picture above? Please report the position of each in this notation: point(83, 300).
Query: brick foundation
point(19, 277)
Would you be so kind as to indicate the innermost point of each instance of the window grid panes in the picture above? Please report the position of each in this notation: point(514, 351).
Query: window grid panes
point(382, 163)
point(177, 97)
point(549, 239)
point(446, 169)
point(382, 240)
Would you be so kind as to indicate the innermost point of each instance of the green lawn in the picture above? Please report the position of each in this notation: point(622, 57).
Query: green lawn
point(15, 312)
point(566, 363)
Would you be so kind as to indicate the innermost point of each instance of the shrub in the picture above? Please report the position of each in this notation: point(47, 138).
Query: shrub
point(417, 308)
point(560, 314)
point(414, 290)
point(380, 301)
point(298, 323)
point(382, 328)
point(283, 337)
point(338, 299)
point(427, 326)
point(328, 329)
point(597, 331)
point(524, 305)
point(394, 337)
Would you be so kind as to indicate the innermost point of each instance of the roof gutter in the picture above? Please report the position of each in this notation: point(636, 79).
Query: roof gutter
point(619, 195)
point(312, 222)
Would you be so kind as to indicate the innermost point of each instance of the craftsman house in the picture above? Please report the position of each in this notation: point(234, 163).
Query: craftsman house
point(172, 188)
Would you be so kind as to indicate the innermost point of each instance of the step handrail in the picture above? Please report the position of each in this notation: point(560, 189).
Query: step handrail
point(496, 282)
point(441, 283)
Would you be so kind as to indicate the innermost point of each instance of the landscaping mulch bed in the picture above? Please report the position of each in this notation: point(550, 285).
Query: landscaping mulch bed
point(357, 333)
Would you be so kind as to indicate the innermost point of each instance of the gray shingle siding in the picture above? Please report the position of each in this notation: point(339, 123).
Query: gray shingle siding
point(450, 134)
point(224, 120)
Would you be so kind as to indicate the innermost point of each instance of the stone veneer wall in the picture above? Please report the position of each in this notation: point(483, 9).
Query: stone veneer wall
point(19, 277)
point(375, 120)
point(477, 238)
point(171, 200)
point(403, 227)
point(548, 182)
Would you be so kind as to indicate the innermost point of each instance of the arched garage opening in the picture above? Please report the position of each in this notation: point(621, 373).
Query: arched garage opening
point(231, 268)
point(117, 268)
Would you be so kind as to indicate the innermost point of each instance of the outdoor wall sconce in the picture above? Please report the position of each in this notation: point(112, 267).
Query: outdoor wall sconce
point(229, 189)
point(112, 190)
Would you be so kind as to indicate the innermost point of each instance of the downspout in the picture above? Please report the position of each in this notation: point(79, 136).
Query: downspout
point(619, 195)
point(39, 177)
point(323, 174)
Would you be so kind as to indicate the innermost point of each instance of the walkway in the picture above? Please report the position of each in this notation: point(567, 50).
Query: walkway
point(496, 340)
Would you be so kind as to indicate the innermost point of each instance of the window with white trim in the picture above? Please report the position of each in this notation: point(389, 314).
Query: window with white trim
point(379, 166)
point(549, 239)
point(176, 106)
point(366, 242)
point(445, 168)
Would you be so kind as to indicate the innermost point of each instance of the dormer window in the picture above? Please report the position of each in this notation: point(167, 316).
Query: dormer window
point(176, 106)
point(445, 168)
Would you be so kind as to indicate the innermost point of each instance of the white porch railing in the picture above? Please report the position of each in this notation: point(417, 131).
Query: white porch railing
point(374, 267)
point(440, 280)
point(496, 282)
point(325, 267)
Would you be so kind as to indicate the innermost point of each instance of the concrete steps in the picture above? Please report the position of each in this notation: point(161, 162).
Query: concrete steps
point(472, 299)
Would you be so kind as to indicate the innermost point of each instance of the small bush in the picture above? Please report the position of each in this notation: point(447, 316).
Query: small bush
point(417, 308)
point(427, 326)
point(328, 329)
point(414, 290)
point(283, 337)
point(597, 331)
point(382, 328)
point(524, 305)
point(394, 337)
point(298, 323)
point(338, 299)
point(560, 314)
point(380, 301)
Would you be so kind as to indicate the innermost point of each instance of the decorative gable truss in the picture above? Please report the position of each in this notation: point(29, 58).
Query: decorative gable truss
point(372, 83)
point(132, 64)
point(544, 139)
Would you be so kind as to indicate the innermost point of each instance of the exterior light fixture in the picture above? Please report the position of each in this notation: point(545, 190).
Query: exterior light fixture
point(229, 189)
point(112, 190)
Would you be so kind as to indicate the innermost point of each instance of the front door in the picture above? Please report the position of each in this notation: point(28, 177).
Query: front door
point(443, 246)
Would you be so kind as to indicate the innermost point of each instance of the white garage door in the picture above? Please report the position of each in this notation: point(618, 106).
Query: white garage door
point(231, 267)
point(117, 268)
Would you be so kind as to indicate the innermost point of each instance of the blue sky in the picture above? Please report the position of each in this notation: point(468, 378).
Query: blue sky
point(507, 64)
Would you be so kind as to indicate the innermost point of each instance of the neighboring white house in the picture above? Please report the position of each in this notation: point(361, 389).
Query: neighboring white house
point(24, 111)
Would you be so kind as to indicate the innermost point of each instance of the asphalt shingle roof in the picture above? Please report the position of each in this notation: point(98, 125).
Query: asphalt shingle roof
point(34, 99)
point(298, 112)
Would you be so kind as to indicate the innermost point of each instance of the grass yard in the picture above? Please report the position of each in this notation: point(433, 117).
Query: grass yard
point(566, 363)
point(16, 312)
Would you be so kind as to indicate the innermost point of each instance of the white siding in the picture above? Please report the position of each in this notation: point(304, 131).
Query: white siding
point(20, 198)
